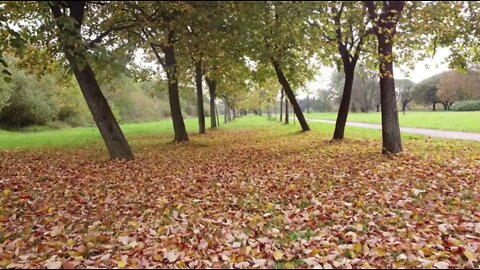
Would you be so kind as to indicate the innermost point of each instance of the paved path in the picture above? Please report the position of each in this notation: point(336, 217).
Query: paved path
point(418, 131)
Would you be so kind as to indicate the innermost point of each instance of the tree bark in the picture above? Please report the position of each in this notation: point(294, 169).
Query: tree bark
point(387, 22)
point(200, 109)
point(117, 145)
point(212, 88)
point(175, 110)
point(404, 106)
point(291, 96)
point(282, 95)
point(433, 107)
point(112, 135)
point(344, 103)
point(286, 111)
point(392, 142)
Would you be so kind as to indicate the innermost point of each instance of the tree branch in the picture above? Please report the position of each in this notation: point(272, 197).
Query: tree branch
point(99, 39)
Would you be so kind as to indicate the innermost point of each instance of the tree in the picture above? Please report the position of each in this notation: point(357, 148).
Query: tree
point(212, 88)
point(458, 85)
point(405, 87)
point(159, 27)
point(385, 26)
point(282, 95)
point(366, 90)
point(68, 27)
point(343, 25)
point(278, 36)
point(426, 91)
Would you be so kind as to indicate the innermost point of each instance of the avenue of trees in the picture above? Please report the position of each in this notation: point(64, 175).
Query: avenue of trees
point(248, 56)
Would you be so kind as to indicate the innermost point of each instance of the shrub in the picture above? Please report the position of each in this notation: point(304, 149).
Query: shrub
point(26, 105)
point(466, 105)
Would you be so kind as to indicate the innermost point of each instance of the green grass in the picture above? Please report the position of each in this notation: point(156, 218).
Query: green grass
point(77, 137)
point(454, 121)
point(86, 136)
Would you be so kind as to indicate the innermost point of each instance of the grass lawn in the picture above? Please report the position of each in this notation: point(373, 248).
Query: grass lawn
point(454, 121)
point(86, 136)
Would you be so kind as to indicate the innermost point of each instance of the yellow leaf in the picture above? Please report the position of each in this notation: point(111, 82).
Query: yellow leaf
point(270, 206)
point(157, 257)
point(70, 242)
point(359, 227)
point(357, 248)
point(470, 255)
point(426, 251)
point(7, 192)
point(51, 209)
point(289, 266)
point(121, 264)
point(277, 255)
point(4, 263)
point(380, 252)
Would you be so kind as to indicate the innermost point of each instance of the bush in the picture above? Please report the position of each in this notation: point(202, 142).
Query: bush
point(466, 105)
point(26, 104)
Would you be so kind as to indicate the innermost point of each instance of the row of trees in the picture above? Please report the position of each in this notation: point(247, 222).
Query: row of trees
point(238, 48)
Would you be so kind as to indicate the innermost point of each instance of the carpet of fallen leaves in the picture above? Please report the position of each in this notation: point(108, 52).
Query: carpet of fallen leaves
point(242, 199)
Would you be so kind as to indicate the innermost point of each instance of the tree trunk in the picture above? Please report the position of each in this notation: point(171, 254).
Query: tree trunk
point(212, 88)
point(378, 108)
point(345, 103)
point(175, 110)
point(291, 96)
point(218, 118)
point(112, 135)
point(433, 108)
point(200, 110)
point(392, 142)
point(445, 106)
point(282, 95)
point(286, 111)
point(404, 106)
point(117, 145)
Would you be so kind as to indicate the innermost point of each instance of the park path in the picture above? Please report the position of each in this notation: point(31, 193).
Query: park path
point(443, 134)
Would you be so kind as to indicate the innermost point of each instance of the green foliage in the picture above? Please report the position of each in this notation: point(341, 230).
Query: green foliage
point(26, 105)
point(32, 100)
point(425, 92)
point(466, 105)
